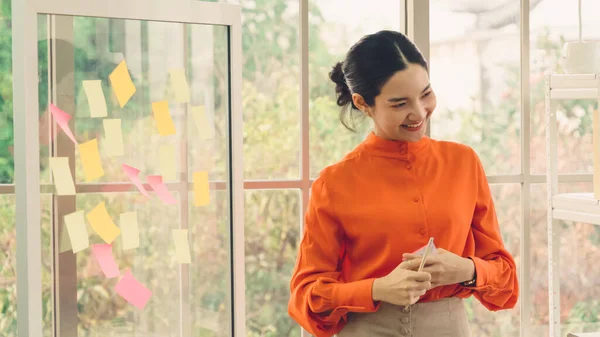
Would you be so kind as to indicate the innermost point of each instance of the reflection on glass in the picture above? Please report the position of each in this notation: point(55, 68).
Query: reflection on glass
point(484, 323)
point(272, 235)
point(196, 297)
point(330, 37)
point(270, 89)
point(579, 253)
point(475, 73)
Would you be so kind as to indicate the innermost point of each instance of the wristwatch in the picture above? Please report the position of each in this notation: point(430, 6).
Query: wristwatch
point(472, 281)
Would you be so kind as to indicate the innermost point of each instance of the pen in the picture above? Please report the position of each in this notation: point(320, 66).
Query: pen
point(427, 250)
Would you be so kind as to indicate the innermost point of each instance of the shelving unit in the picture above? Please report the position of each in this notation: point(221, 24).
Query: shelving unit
point(580, 207)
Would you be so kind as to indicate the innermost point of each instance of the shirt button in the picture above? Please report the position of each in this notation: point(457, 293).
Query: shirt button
point(404, 320)
point(408, 166)
point(406, 309)
point(415, 199)
point(404, 331)
point(422, 231)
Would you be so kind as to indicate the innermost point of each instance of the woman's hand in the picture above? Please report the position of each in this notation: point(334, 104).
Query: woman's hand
point(401, 286)
point(445, 267)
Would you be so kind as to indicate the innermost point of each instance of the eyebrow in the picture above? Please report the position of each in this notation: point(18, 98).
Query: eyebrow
point(398, 99)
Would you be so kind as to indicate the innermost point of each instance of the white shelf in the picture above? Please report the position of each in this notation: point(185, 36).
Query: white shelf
point(574, 86)
point(580, 207)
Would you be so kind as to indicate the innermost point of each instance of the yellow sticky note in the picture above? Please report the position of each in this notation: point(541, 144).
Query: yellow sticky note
point(95, 98)
point(122, 84)
point(201, 190)
point(113, 138)
point(162, 116)
point(65, 242)
point(182, 247)
point(63, 180)
point(179, 86)
point(90, 159)
point(78, 234)
point(166, 155)
point(205, 129)
point(102, 224)
point(130, 232)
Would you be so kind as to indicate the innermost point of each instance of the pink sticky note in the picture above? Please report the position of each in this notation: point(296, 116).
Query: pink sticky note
point(62, 119)
point(132, 173)
point(133, 291)
point(161, 190)
point(104, 256)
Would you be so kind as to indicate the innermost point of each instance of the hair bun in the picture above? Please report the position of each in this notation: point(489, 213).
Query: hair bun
point(344, 96)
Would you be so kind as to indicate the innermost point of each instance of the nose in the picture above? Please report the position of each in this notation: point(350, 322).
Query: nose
point(419, 112)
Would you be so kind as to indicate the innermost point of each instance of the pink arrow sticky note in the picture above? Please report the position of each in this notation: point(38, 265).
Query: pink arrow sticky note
point(133, 291)
point(161, 190)
point(132, 173)
point(104, 256)
point(62, 119)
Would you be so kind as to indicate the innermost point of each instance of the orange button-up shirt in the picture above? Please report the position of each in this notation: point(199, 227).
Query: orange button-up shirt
point(386, 198)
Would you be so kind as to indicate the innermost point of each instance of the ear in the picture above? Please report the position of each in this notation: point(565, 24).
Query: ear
point(360, 103)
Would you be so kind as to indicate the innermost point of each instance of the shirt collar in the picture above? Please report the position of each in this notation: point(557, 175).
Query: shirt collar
point(393, 148)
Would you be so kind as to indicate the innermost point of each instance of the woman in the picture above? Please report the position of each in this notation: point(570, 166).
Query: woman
point(354, 275)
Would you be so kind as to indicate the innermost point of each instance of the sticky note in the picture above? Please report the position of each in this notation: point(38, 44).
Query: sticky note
point(63, 180)
point(162, 117)
point(205, 129)
point(161, 190)
point(113, 138)
point(166, 155)
point(179, 88)
point(133, 291)
point(201, 190)
point(130, 233)
point(95, 98)
point(62, 119)
point(77, 229)
point(182, 247)
point(121, 83)
point(102, 223)
point(90, 160)
point(104, 256)
point(65, 242)
point(133, 173)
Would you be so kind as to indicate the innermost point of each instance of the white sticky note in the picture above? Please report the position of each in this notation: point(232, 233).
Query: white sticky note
point(182, 247)
point(113, 138)
point(166, 155)
point(130, 232)
point(95, 98)
point(63, 180)
point(205, 128)
point(179, 89)
point(78, 234)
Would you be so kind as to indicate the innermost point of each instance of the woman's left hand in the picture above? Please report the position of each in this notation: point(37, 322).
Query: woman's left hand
point(445, 267)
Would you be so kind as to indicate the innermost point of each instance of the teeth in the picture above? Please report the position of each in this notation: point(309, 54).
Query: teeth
point(414, 125)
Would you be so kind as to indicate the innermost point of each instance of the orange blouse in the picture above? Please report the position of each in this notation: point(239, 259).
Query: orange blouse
point(386, 198)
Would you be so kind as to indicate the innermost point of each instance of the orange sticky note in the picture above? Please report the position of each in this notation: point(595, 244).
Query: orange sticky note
point(121, 83)
point(201, 190)
point(162, 117)
point(90, 160)
point(63, 180)
point(102, 223)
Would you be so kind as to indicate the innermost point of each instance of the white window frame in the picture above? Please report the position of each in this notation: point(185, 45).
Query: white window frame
point(26, 148)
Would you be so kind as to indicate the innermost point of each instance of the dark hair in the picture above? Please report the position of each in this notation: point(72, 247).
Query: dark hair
point(369, 64)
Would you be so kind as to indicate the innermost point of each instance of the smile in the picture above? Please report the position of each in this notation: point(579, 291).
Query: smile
point(416, 125)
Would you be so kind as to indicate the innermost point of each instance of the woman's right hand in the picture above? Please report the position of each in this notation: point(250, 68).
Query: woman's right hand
point(402, 286)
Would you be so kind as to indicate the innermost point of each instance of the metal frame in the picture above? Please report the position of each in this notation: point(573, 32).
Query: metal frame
point(27, 142)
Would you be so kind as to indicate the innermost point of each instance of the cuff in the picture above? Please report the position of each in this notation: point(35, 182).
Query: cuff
point(481, 268)
point(357, 295)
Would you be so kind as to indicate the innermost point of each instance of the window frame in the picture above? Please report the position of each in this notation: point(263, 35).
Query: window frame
point(28, 189)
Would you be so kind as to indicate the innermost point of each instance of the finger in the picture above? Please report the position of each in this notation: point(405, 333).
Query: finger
point(410, 256)
point(410, 264)
point(420, 276)
point(442, 251)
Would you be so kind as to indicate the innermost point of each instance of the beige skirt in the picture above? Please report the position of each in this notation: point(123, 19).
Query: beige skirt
point(443, 318)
